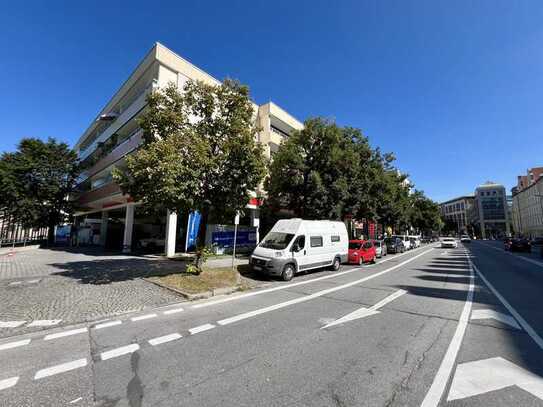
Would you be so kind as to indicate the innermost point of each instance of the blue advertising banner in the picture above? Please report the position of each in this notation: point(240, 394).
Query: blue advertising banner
point(62, 234)
point(226, 238)
point(193, 226)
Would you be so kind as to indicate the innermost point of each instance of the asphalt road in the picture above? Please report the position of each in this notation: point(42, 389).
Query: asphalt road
point(424, 328)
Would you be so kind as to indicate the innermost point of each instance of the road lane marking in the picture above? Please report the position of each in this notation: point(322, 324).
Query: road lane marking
point(525, 325)
point(498, 316)
point(123, 350)
point(44, 322)
point(308, 297)
point(173, 311)
point(7, 383)
point(64, 367)
point(437, 388)
point(290, 285)
point(164, 339)
point(142, 317)
point(16, 344)
point(108, 324)
point(483, 376)
point(75, 400)
point(11, 324)
point(201, 328)
point(365, 312)
point(64, 333)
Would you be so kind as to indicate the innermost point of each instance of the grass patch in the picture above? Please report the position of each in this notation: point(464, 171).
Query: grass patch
point(207, 280)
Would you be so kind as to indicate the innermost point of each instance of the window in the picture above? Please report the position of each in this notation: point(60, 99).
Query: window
point(367, 245)
point(299, 243)
point(276, 240)
point(315, 241)
point(335, 238)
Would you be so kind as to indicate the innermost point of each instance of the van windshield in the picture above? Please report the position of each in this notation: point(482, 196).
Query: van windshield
point(276, 240)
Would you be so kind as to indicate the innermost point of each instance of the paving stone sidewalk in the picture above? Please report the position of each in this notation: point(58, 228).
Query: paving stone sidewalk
point(43, 284)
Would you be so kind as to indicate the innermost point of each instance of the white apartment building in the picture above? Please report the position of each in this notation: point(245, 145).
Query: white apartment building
point(110, 217)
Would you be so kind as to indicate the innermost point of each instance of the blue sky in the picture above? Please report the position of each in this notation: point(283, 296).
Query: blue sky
point(453, 88)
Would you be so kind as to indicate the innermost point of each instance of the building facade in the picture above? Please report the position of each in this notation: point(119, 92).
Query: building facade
point(527, 209)
point(457, 210)
point(105, 215)
point(490, 214)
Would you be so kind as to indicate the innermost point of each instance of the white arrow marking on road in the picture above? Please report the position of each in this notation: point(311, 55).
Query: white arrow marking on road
point(366, 312)
point(486, 375)
point(498, 316)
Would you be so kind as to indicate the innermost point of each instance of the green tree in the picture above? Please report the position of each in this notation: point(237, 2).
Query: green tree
point(424, 214)
point(199, 151)
point(311, 172)
point(36, 181)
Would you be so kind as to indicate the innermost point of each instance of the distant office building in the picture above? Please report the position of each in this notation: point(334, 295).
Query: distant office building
point(490, 214)
point(527, 206)
point(457, 210)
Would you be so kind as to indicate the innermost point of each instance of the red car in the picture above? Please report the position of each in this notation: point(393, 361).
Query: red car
point(361, 251)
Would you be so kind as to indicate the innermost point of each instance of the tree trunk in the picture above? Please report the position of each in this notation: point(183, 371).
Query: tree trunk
point(203, 227)
point(50, 234)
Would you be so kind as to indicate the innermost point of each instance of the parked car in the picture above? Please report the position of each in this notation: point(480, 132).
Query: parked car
point(361, 251)
point(406, 241)
point(295, 245)
point(465, 239)
point(520, 245)
point(537, 241)
point(415, 241)
point(449, 242)
point(507, 243)
point(394, 245)
point(151, 242)
point(426, 240)
point(380, 248)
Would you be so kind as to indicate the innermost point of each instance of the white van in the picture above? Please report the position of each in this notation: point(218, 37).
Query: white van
point(295, 245)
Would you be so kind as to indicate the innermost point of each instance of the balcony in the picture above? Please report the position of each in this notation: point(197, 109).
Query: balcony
point(130, 109)
point(107, 190)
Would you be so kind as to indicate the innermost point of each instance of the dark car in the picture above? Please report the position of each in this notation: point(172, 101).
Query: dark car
point(520, 245)
point(394, 245)
point(538, 241)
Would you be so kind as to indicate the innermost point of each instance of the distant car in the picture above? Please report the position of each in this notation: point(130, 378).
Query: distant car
point(537, 241)
point(449, 242)
point(507, 243)
point(394, 245)
point(361, 251)
point(380, 248)
point(520, 245)
point(415, 241)
point(151, 242)
point(406, 241)
point(465, 239)
point(426, 240)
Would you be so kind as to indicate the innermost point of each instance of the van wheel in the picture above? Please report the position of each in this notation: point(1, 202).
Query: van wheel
point(336, 264)
point(288, 272)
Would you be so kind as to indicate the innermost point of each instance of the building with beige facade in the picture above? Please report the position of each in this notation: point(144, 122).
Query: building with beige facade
point(527, 209)
point(457, 210)
point(105, 215)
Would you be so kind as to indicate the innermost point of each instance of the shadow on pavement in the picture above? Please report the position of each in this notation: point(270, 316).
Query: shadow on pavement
point(112, 270)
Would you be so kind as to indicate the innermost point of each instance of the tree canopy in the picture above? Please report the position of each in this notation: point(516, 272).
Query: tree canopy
point(36, 181)
point(325, 171)
point(199, 152)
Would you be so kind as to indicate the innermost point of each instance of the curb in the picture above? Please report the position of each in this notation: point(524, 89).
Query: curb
point(196, 296)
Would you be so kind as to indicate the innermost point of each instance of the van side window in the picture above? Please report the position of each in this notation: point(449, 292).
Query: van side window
point(299, 244)
point(335, 238)
point(316, 241)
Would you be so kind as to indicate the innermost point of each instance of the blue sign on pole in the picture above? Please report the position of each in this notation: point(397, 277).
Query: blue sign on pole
point(193, 226)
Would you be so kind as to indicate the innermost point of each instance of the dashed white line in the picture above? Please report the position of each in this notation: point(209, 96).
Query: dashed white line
point(163, 339)
point(108, 324)
point(142, 317)
point(173, 311)
point(64, 367)
point(201, 328)
point(75, 400)
point(433, 397)
point(16, 344)
point(123, 350)
point(7, 383)
point(11, 324)
point(65, 333)
point(45, 322)
point(290, 285)
point(298, 300)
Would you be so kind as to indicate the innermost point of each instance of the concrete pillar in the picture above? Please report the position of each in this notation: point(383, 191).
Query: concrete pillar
point(171, 230)
point(128, 228)
point(103, 229)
